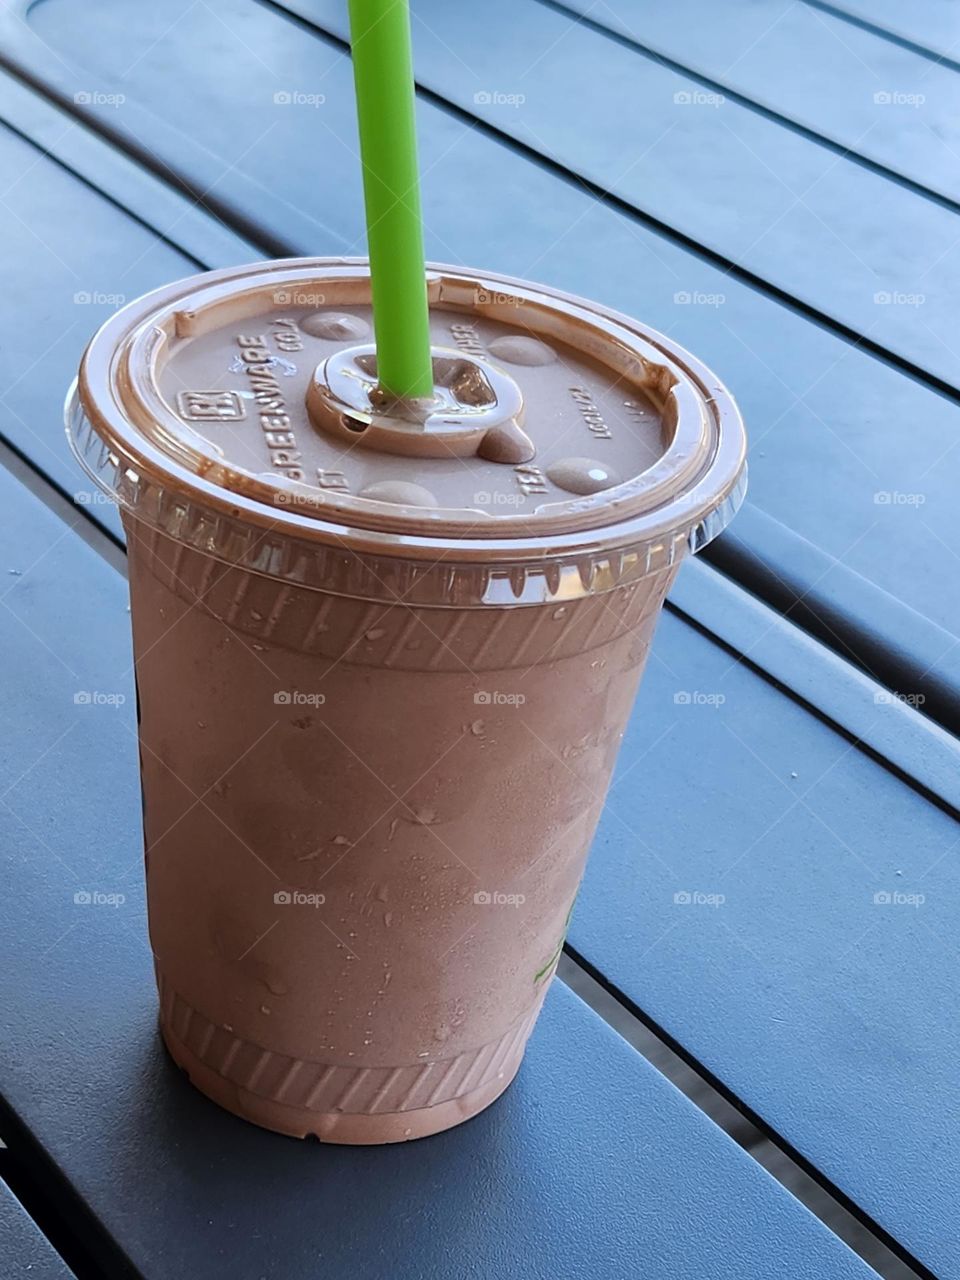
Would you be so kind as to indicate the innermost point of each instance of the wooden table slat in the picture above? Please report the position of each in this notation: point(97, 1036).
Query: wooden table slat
point(25, 1254)
point(931, 25)
point(71, 258)
point(848, 85)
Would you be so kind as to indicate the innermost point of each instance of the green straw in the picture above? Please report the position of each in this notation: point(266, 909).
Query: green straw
point(383, 71)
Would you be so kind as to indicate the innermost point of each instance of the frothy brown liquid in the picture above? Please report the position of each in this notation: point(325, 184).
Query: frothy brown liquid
point(365, 838)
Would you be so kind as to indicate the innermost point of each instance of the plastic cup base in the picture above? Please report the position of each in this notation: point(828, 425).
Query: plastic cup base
point(346, 1128)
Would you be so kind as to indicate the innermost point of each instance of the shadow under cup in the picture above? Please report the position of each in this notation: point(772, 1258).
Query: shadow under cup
point(382, 690)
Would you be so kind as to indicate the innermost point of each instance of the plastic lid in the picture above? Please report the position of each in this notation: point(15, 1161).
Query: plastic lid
point(556, 424)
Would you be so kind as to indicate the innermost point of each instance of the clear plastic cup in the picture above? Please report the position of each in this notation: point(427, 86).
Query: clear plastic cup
point(385, 655)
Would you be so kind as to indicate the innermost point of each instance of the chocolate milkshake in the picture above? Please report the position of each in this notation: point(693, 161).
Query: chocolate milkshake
point(385, 654)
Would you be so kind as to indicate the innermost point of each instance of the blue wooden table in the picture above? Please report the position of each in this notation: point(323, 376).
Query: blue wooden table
point(770, 908)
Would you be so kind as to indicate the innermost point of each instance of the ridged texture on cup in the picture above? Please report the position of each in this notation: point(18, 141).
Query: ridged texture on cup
point(392, 633)
point(332, 1101)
